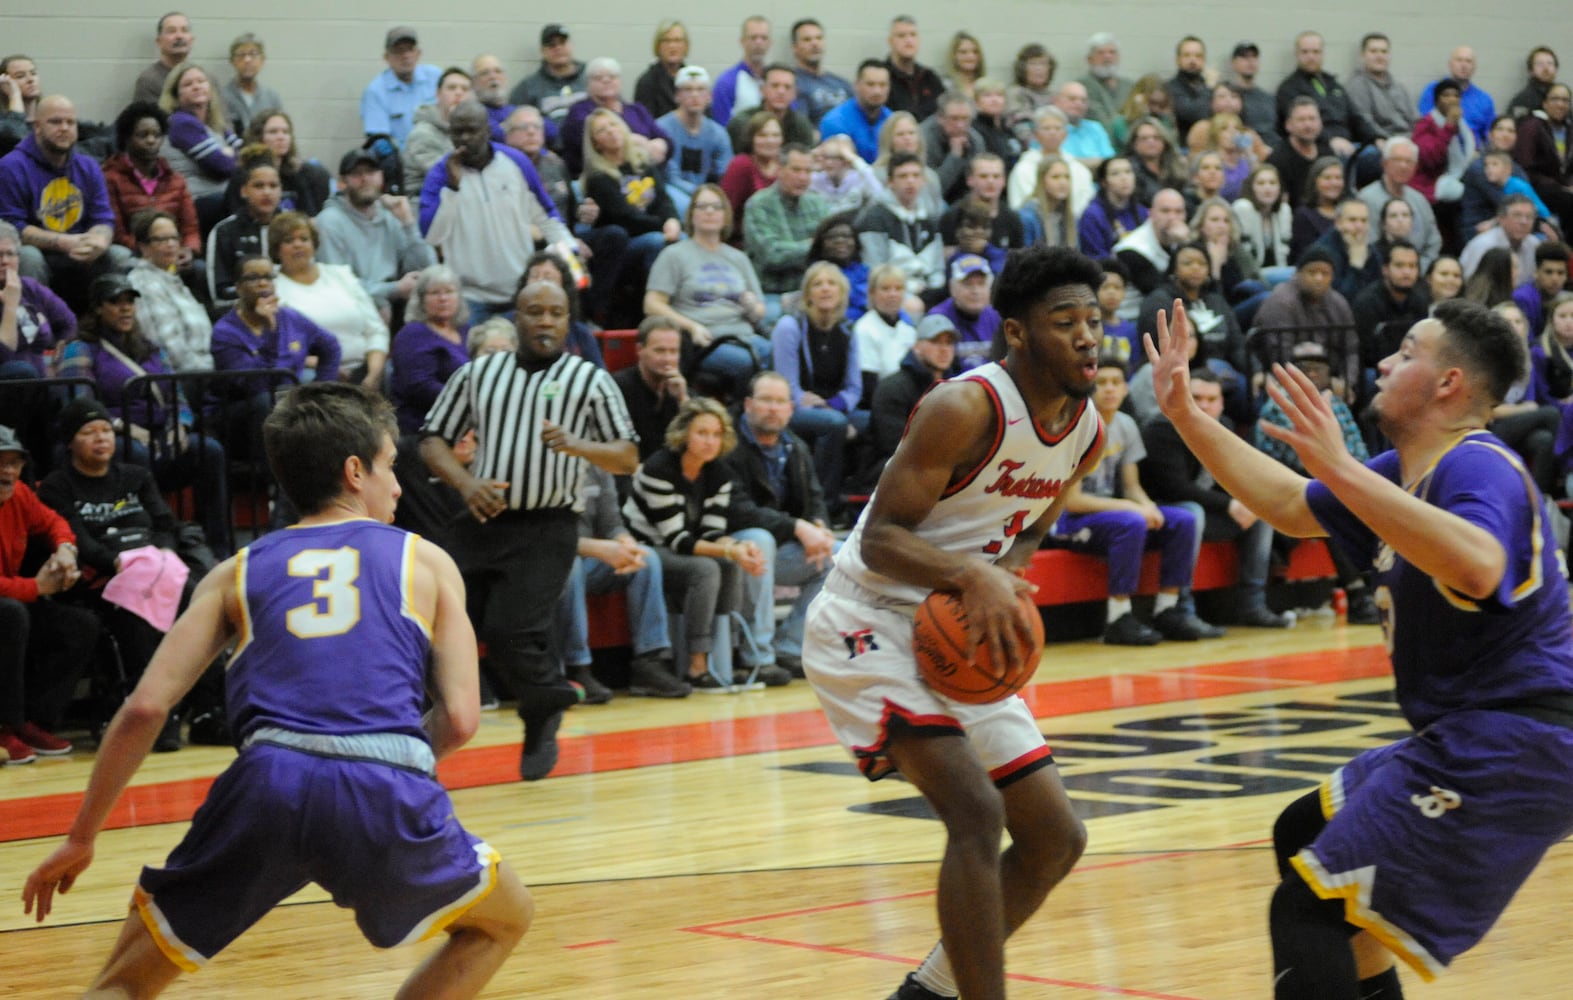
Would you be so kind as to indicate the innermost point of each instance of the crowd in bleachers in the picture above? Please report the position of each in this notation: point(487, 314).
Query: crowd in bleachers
point(842, 233)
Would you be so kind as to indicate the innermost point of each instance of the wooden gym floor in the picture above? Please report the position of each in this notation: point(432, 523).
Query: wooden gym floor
point(724, 846)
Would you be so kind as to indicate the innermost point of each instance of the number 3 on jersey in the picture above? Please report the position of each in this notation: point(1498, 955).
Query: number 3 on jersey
point(1013, 527)
point(335, 607)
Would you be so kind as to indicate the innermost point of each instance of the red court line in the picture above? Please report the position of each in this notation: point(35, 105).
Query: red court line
point(714, 929)
point(176, 801)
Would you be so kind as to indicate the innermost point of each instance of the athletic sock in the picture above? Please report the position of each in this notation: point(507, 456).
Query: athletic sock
point(935, 973)
point(1163, 602)
point(1382, 986)
point(1119, 607)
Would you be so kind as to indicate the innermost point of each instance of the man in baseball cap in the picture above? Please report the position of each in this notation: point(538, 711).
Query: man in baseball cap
point(387, 107)
point(44, 645)
point(559, 83)
point(933, 357)
point(109, 287)
point(977, 323)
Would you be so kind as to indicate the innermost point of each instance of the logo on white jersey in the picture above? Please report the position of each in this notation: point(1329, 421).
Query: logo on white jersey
point(1029, 486)
point(859, 642)
point(1438, 802)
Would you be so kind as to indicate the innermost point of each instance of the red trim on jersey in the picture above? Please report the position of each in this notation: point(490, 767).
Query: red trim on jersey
point(921, 397)
point(1022, 766)
point(872, 760)
point(999, 435)
point(1097, 442)
point(1051, 439)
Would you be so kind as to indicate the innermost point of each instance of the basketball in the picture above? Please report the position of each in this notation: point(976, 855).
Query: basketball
point(939, 642)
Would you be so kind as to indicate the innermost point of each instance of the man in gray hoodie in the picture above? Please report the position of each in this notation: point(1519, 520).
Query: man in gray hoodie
point(376, 234)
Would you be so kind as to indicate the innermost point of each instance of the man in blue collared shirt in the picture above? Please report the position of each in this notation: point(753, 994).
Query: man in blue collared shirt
point(860, 118)
point(1085, 139)
point(388, 105)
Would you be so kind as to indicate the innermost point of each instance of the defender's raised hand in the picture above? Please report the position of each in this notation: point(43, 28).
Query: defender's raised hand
point(1171, 361)
point(1314, 432)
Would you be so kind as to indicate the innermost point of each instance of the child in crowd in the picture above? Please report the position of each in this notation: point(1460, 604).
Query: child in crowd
point(1500, 182)
point(884, 333)
point(1550, 363)
point(246, 232)
point(1110, 515)
point(1120, 338)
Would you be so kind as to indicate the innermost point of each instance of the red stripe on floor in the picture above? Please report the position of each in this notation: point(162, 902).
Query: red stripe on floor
point(176, 801)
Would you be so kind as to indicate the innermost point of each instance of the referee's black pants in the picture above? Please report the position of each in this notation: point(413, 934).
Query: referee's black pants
point(515, 567)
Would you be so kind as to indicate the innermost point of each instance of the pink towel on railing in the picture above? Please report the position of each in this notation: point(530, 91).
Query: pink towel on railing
point(149, 585)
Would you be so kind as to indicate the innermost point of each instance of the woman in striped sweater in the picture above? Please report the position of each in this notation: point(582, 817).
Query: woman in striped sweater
point(683, 504)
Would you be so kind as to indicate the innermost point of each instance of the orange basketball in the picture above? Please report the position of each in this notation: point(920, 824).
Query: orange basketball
point(939, 641)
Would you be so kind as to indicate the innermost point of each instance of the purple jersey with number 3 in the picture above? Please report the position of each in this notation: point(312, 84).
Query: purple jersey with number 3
point(1449, 651)
point(330, 641)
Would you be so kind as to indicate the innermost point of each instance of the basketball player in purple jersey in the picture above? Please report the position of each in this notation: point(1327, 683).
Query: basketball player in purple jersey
point(979, 476)
point(1413, 850)
point(337, 622)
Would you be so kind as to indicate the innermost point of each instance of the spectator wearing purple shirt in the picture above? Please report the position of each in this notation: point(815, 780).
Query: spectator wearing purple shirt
point(977, 322)
point(57, 199)
point(113, 350)
point(33, 320)
point(604, 85)
point(430, 347)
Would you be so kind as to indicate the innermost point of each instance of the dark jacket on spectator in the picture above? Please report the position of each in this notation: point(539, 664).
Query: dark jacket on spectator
point(804, 498)
point(1339, 120)
point(1169, 472)
point(650, 414)
point(895, 397)
point(110, 514)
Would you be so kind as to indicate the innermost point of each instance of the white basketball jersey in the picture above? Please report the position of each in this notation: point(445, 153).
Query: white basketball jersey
point(1022, 475)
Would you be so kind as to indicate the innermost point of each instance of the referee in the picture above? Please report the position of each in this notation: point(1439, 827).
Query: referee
point(537, 414)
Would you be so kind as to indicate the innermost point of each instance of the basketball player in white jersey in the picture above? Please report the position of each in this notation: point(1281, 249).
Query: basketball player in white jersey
point(979, 477)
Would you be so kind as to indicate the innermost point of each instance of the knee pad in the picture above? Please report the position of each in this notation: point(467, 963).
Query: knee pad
point(1296, 827)
point(1297, 913)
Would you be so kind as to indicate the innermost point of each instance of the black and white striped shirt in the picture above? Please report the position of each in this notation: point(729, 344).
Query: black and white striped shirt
point(505, 404)
point(664, 508)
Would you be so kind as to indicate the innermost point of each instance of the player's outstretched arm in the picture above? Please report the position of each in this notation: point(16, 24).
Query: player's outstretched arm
point(949, 433)
point(1461, 556)
point(1266, 486)
point(191, 645)
point(455, 686)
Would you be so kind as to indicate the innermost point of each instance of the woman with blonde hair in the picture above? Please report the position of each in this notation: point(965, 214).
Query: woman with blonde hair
point(656, 88)
point(680, 503)
point(1229, 262)
point(964, 63)
point(815, 351)
point(631, 192)
point(1207, 177)
point(200, 146)
point(1149, 98)
point(901, 134)
point(1226, 135)
point(1049, 219)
